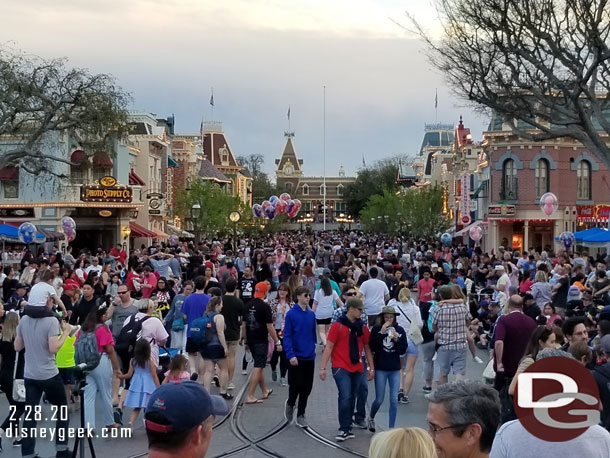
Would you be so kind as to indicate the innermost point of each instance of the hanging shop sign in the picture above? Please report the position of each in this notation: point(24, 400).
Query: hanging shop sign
point(106, 190)
point(501, 210)
point(17, 212)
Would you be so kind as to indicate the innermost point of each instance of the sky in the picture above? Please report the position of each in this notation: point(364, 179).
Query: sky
point(260, 57)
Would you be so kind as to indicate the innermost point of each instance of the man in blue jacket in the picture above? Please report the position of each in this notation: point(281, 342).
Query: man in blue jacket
point(300, 348)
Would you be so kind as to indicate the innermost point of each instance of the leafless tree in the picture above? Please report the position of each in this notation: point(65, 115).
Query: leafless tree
point(545, 63)
point(39, 97)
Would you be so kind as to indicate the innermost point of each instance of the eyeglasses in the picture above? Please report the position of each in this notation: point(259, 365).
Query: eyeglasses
point(305, 294)
point(349, 294)
point(434, 430)
point(123, 292)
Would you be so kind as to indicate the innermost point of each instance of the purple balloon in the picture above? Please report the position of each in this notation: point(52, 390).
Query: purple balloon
point(257, 210)
point(290, 206)
point(270, 212)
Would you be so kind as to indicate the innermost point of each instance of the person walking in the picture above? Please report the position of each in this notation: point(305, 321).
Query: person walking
point(347, 338)
point(388, 342)
point(214, 350)
point(99, 380)
point(375, 293)
point(279, 308)
point(176, 319)
point(144, 380)
point(11, 368)
point(232, 311)
point(323, 307)
point(300, 350)
point(257, 326)
point(193, 307)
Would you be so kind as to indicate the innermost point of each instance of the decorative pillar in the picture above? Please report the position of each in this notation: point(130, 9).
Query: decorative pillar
point(526, 236)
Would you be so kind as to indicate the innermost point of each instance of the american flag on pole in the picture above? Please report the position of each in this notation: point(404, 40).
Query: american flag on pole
point(435, 99)
point(288, 113)
point(212, 99)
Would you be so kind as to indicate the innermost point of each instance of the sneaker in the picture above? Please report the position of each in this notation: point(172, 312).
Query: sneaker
point(216, 381)
point(404, 400)
point(231, 386)
point(244, 372)
point(118, 416)
point(400, 395)
point(73, 332)
point(63, 454)
point(342, 436)
point(274, 376)
point(427, 389)
point(227, 396)
point(360, 423)
point(372, 425)
point(18, 443)
point(434, 357)
point(478, 360)
point(194, 377)
point(288, 412)
point(302, 421)
point(428, 396)
point(283, 381)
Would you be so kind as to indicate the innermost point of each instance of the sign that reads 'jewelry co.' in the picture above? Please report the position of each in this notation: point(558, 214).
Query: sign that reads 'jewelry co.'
point(108, 190)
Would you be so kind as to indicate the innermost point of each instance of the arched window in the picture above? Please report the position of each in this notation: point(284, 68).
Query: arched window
point(339, 189)
point(305, 190)
point(322, 190)
point(542, 177)
point(288, 186)
point(583, 180)
point(510, 180)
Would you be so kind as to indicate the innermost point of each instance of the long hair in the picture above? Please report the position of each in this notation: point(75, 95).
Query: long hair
point(177, 364)
point(540, 334)
point(94, 318)
point(141, 352)
point(211, 308)
point(457, 293)
point(325, 286)
point(9, 331)
point(400, 442)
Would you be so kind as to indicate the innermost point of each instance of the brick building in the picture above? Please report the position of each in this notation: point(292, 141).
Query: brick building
point(522, 171)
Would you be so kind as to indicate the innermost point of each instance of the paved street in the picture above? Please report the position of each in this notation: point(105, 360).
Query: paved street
point(260, 430)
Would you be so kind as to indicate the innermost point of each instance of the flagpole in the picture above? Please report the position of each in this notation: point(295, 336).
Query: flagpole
point(435, 105)
point(212, 103)
point(324, 160)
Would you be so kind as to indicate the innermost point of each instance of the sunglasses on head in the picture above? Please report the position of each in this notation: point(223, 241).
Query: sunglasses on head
point(350, 294)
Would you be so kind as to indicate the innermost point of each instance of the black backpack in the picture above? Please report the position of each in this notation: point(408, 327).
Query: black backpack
point(130, 334)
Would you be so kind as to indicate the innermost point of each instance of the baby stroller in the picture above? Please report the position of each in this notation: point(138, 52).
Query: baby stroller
point(165, 357)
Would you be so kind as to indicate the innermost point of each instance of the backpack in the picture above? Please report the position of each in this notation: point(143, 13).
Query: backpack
point(85, 350)
point(202, 329)
point(431, 313)
point(130, 334)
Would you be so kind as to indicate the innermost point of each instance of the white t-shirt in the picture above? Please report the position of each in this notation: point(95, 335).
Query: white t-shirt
point(325, 306)
point(40, 294)
point(93, 268)
point(407, 310)
point(514, 441)
point(374, 291)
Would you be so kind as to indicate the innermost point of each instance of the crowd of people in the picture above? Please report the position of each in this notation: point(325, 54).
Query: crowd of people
point(170, 320)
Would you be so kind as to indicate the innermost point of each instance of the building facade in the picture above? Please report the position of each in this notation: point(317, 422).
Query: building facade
point(522, 171)
point(291, 178)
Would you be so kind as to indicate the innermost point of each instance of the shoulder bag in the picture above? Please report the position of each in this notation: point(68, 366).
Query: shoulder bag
point(18, 383)
point(414, 331)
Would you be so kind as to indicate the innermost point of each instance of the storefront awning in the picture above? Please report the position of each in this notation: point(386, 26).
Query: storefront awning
point(140, 231)
point(78, 156)
point(102, 160)
point(465, 230)
point(135, 180)
point(171, 162)
point(173, 230)
point(52, 236)
point(9, 173)
point(160, 234)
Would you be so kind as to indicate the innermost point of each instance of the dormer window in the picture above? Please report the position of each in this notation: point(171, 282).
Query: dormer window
point(340, 189)
point(305, 189)
point(224, 155)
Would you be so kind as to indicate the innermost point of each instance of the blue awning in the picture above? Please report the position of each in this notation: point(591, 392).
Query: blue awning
point(171, 162)
point(11, 234)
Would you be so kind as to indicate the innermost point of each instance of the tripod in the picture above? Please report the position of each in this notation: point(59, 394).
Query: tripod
point(79, 387)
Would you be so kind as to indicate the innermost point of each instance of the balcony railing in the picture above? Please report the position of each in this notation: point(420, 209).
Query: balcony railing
point(509, 190)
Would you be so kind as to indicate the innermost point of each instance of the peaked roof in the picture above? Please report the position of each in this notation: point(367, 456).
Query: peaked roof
point(289, 154)
point(214, 144)
point(208, 172)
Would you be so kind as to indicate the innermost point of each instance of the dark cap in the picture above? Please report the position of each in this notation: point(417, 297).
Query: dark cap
point(174, 403)
point(21, 286)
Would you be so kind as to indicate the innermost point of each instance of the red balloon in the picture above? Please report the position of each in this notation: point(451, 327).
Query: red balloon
point(281, 206)
point(285, 196)
point(265, 204)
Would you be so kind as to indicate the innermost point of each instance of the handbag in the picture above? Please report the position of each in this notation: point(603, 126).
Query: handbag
point(18, 383)
point(488, 373)
point(414, 331)
point(178, 324)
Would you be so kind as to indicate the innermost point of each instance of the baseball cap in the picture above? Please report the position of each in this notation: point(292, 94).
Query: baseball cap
point(173, 403)
point(70, 285)
point(21, 286)
point(355, 303)
point(574, 293)
point(499, 267)
point(261, 289)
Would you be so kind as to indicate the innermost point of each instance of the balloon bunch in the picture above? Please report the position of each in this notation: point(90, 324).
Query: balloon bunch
point(567, 238)
point(446, 239)
point(68, 227)
point(27, 232)
point(283, 205)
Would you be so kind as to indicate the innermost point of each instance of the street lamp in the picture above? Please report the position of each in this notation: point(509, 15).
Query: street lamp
point(195, 214)
point(234, 216)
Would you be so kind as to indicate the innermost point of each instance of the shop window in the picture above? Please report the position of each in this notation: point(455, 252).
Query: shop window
point(322, 189)
point(77, 173)
point(305, 190)
point(509, 190)
point(339, 189)
point(583, 180)
point(542, 177)
point(288, 187)
point(99, 172)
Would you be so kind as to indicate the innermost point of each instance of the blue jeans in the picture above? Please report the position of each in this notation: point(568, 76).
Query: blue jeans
point(362, 394)
point(393, 379)
point(347, 384)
